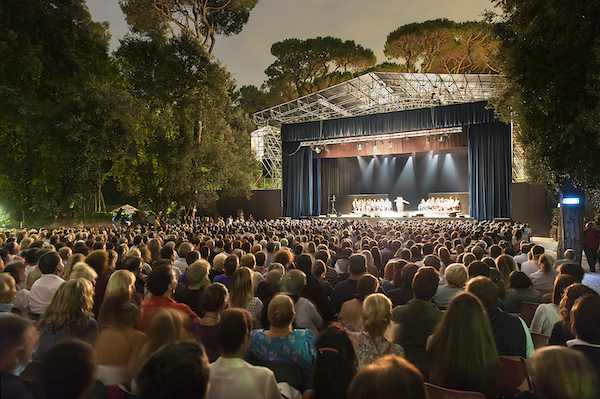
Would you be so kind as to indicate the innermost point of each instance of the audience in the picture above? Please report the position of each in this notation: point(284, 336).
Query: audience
point(147, 267)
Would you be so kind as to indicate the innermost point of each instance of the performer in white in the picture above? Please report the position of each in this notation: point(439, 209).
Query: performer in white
point(400, 203)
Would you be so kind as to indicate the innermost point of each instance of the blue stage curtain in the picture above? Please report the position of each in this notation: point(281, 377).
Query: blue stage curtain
point(400, 121)
point(317, 209)
point(490, 171)
point(297, 169)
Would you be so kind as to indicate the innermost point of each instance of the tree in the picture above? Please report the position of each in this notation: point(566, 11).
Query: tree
point(472, 50)
point(550, 58)
point(418, 42)
point(202, 19)
point(61, 104)
point(189, 151)
point(305, 66)
point(443, 46)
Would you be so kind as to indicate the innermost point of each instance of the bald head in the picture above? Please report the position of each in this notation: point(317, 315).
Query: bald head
point(8, 288)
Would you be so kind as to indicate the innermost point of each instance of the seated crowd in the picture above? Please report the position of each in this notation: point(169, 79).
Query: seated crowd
point(290, 308)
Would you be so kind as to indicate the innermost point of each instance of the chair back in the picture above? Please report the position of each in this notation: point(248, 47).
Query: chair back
point(539, 340)
point(513, 377)
point(284, 372)
point(527, 311)
point(437, 392)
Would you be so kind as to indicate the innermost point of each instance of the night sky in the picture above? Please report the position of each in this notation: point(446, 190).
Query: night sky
point(366, 22)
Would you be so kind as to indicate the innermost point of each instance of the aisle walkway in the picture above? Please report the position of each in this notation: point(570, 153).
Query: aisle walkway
point(592, 280)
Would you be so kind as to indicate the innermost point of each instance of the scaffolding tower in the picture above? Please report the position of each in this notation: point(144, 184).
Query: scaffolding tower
point(266, 147)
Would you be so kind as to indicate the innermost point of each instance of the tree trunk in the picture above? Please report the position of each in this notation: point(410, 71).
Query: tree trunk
point(571, 234)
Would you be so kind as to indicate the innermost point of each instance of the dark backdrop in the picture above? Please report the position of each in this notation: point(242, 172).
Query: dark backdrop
point(412, 176)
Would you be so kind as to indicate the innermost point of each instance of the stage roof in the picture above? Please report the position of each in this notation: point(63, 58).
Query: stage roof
point(379, 92)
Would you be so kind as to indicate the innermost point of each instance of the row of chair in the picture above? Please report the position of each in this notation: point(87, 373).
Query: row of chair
point(513, 379)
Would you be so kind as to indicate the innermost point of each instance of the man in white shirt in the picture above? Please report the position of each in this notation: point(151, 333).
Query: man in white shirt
point(182, 251)
point(533, 265)
point(43, 289)
point(522, 257)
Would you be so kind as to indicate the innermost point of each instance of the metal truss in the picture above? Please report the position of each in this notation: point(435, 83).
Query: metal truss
point(372, 93)
point(379, 92)
point(441, 132)
point(266, 147)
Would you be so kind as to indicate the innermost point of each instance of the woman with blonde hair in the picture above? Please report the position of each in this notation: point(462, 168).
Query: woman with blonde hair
point(73, 259)
point(82, 270)
point(197, 281)
point(462, 352)
point(154, 246)
point(241, 295)
point(456, 277)
point(371, 343)
point(370, 263)
point(69, 314)
point(218, 266)
point(119, 282)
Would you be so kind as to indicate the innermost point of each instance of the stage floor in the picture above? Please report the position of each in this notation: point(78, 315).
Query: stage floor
point(393, 216)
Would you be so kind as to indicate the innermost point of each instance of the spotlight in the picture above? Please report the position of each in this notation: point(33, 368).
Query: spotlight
point(442, 138)
point(326, 148)
point(390, 144)
point(318, 149)
point(427, 139)
point(374, 143)
point(359, 146)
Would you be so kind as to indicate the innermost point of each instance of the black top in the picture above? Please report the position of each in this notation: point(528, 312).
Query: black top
point(509, 333)
point(190, 297)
